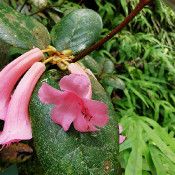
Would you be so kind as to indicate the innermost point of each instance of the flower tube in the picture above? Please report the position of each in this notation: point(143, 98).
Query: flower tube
point(11, 74)
point(17, 123)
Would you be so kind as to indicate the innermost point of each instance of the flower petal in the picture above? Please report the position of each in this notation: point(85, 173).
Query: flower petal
point(50, 95)
point(17, 123)
point(78, 84)
point(120, 128)
point(97, 110)
point(75, 68)
point(66, 112)
point(81, 124)
point(11, 74)
point(121, 139)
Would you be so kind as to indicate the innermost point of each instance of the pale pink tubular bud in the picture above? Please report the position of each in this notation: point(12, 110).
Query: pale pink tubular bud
point(11, 74)
point(17, 123)
point(77, 69)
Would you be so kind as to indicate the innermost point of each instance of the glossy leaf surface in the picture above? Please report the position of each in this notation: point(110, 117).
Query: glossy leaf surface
point(73, 152)
point(21, 31)
point(114, 82)
point(77, 31)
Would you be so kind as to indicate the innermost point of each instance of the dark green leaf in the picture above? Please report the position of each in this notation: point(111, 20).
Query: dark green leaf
point(20, 30)
point(99, 65)
point(73, 152)
point(11, 170)
point(114, 82)
point(77, 31)
point(4, 3)
point(91, 64)
point(100, 60)
point(107, 66)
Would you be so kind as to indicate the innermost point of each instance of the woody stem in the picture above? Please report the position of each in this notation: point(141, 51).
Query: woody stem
point(135, 12)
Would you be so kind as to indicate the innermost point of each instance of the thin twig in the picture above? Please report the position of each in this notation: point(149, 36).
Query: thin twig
point(137, 10)
point(62, 3)
point(23, 5)
point(80, 2)
point(45, 8)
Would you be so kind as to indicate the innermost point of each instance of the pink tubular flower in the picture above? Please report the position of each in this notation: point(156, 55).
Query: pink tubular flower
point(17, 123)
point(11, 74)
point(72, 105)
point(121, 138)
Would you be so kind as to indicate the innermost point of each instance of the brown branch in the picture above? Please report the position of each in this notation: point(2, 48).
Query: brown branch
point(62, 3)
point(80, 2)
point(134, 13)
point(23, 5)
point(48, 7)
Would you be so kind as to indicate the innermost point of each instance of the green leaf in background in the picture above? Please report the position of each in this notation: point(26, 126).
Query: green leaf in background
point(107, 66)
point(114, 82)
point(73, 152)
point(149, 144)
point(99, 65)
point(91, 64)
point(21, 31)
point(77, 31)
point(12, 170)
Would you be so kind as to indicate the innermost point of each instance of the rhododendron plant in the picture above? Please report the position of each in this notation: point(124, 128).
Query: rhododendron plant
point(11, 74)
point(17, 123)
point(77, 69)
point(71, 104)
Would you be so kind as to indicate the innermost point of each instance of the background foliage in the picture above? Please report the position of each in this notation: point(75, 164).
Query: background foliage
point(137, 69)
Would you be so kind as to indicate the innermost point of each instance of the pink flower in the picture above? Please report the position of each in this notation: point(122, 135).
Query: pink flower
point(17, 123)
point(11, 74)
point(121, 138)
point(72, 104)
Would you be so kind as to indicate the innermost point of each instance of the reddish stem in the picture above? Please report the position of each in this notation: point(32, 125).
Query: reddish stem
point(62, 3)
point(134, 13)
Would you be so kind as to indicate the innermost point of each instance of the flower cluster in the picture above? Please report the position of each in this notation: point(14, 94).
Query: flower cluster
point(14, 106)
point(73, 104)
